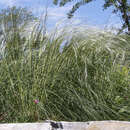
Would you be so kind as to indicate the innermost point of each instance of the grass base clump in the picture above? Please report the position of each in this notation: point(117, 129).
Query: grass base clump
point(88, 79)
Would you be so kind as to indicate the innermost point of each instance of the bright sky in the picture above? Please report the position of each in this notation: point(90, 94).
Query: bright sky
point(91, 14)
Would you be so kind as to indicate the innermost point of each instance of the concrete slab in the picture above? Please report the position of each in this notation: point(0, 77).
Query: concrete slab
point(52, 125)
point(25, 126)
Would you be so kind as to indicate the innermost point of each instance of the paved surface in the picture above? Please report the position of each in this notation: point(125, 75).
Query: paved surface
point(51, 125)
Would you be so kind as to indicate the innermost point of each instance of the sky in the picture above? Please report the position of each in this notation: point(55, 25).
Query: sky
point(91, 14)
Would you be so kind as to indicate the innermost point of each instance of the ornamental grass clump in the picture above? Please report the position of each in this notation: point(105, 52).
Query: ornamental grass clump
point(86, 78)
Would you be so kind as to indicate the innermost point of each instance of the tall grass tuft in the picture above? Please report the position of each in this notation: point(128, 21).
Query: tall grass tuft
point(83, 77)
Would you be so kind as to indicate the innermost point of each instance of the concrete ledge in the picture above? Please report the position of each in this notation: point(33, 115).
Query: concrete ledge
point(52, 125)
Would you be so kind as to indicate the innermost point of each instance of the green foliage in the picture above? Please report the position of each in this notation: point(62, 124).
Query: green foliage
point(13, 21)
point(75, 6)
point(87, 80)
point(122, 6)
point(15, 17)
